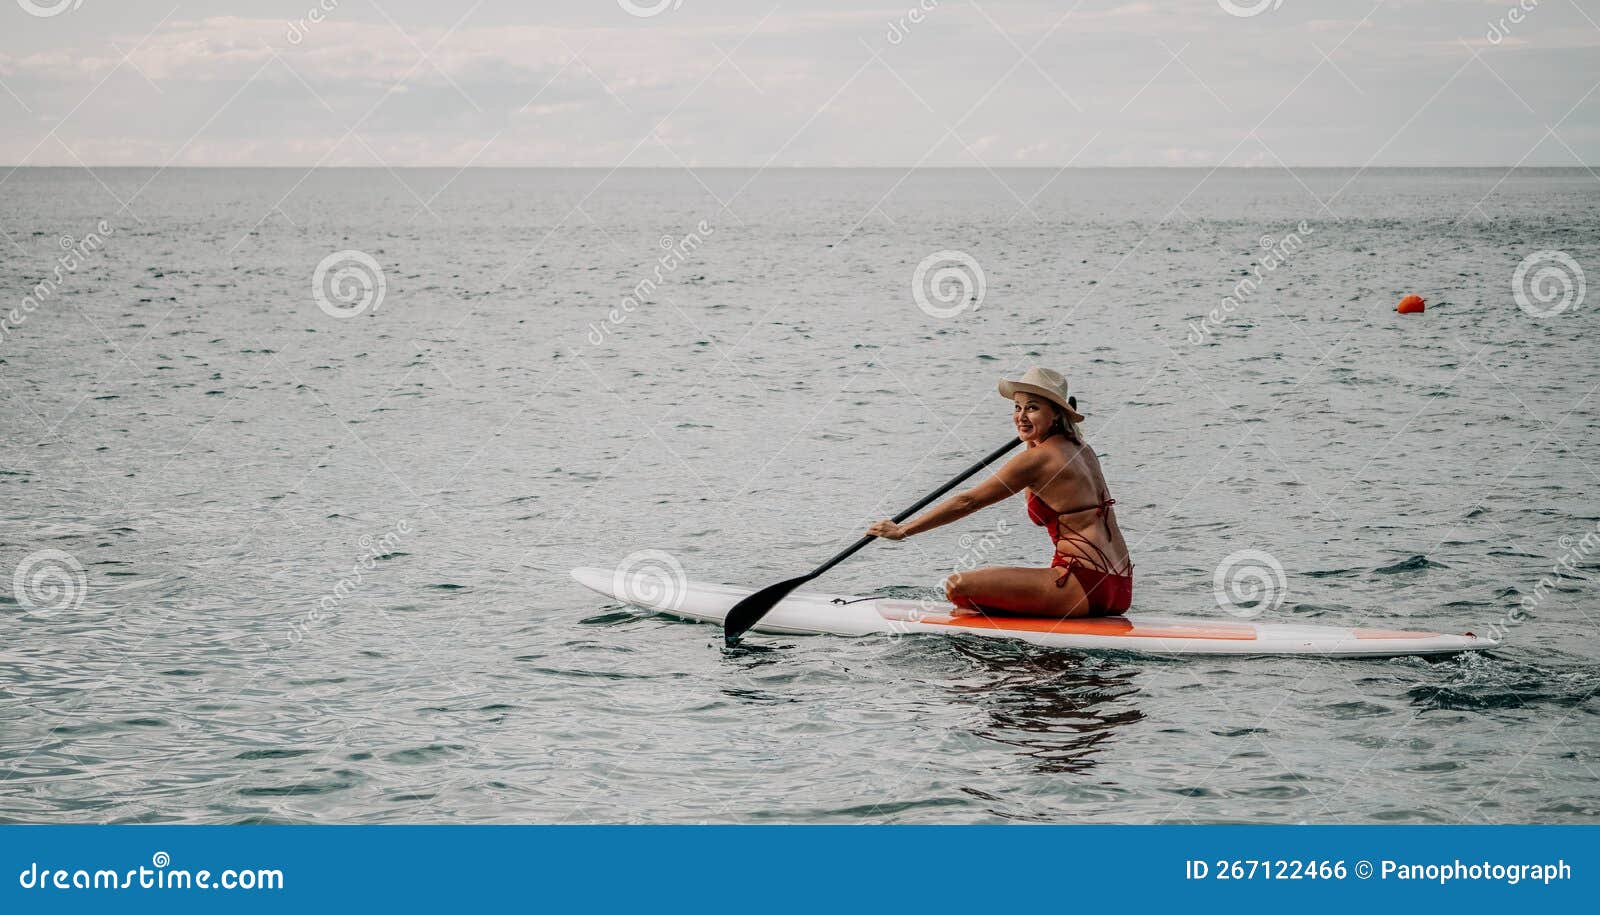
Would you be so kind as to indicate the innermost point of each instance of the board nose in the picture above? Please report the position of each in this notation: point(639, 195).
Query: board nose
point(594, 578)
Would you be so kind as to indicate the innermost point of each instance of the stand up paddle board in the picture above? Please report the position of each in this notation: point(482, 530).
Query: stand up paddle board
point(805, 613)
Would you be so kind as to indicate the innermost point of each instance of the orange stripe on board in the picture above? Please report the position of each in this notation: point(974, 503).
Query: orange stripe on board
point(1100, 625)
point(1391, 634)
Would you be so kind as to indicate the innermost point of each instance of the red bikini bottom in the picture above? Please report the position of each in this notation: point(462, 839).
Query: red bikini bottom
point(1107, 592)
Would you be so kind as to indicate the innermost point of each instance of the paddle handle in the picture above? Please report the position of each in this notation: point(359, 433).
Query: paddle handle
point(927, 500)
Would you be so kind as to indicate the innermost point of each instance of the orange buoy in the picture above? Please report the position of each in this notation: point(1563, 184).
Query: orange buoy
point(1410, 305)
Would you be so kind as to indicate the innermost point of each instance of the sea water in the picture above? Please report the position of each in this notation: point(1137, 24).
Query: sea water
point(294, 465)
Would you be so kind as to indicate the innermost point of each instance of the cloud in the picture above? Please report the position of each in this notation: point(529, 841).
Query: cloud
point(599, 87)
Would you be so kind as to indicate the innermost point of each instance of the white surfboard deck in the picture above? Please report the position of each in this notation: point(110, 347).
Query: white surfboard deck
point(809, 613)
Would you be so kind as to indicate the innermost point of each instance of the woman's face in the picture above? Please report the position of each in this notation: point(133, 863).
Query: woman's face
point(1033, 416)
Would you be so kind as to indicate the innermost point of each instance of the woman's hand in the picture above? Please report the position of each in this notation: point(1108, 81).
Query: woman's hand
point(888, 530)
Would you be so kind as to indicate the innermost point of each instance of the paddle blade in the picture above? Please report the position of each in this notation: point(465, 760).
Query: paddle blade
point(748, 612)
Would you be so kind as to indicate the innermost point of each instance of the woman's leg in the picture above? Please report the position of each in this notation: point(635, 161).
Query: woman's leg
point(1026, 592)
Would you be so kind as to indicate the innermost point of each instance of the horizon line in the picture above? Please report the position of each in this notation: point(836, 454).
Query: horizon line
point(1260, 168)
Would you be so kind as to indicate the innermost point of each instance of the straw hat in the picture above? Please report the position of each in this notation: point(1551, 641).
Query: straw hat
point(1047, 384)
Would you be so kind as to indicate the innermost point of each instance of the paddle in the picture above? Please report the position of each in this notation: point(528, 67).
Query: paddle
point(748, 612)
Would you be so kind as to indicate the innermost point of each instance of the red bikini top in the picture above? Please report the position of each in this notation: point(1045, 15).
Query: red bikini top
point(1040, 512)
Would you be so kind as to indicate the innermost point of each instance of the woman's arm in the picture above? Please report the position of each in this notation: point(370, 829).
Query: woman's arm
point(1009, 480)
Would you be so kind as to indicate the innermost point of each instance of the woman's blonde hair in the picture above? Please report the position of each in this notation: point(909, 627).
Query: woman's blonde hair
point(1066, 426)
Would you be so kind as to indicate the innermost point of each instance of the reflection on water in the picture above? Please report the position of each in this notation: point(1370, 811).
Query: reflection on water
point(756, 672)
point(1058, 708)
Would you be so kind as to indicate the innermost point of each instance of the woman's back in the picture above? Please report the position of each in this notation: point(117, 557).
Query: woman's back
point(1071, 483)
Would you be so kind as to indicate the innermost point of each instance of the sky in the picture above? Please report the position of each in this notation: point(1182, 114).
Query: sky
point(704, 83)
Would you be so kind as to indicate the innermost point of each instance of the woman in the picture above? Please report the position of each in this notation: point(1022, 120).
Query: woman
point(1090, 574)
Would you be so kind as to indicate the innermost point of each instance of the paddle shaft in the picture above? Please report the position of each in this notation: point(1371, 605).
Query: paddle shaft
point(927, 500)
point(747, 612)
